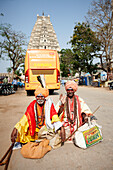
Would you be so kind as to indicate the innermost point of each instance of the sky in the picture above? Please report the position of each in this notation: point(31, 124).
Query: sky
point(64, 14)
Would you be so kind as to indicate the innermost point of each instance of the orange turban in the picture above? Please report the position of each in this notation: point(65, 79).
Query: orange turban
point(71, 84)
point(43, 91)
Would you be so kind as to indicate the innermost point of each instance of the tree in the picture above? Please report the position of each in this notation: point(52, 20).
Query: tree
point(66, 56)
point(12, 45)
point(85, 46)
point(9, 69)
point(100, 17)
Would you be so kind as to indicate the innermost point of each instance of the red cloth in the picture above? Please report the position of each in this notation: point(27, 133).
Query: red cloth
point(52, 111)
point(30, 114)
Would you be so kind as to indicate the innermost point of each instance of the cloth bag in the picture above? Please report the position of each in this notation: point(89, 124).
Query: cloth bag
point(35, 150)
point(87, 135)
point(54, 138)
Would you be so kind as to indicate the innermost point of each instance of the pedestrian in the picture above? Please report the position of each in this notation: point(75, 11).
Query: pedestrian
point(40, 113)
point(5, 80)
point(62, 82)
point(9, 80)
point(15, 84)
point(73, 111)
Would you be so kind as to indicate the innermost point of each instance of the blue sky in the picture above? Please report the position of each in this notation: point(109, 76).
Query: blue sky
point(22, 15)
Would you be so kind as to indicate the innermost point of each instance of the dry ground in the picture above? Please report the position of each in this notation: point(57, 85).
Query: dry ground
point(98, 157)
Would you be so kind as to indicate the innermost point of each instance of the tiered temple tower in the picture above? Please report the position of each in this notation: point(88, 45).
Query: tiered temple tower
point(43, 35)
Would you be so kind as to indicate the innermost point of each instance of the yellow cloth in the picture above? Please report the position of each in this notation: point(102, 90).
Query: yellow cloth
point(24, 133)
point(23, 128)
point(55, 118)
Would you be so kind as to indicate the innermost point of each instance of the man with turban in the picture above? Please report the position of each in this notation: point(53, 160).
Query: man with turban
point(40, 113)
point(72, 110)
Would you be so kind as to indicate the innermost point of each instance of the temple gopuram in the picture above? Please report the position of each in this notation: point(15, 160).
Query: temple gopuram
point(43, 35)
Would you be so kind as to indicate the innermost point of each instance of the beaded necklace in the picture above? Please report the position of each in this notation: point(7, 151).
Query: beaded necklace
point(37, 117)
point(68, 111)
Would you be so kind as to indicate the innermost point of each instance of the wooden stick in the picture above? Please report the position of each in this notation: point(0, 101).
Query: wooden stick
point(8, 159)
point(74, 132)
point(96, 109)
point(9, 151)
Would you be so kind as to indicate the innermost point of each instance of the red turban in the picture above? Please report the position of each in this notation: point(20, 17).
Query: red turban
point(71, 84)
point(43, 91)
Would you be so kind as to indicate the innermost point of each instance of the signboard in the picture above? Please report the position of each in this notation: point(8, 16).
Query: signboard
point(42, 60)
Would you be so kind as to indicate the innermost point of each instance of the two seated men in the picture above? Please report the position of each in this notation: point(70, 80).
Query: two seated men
point(71, 112)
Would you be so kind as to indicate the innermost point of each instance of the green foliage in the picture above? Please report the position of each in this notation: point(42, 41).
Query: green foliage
point(85, 47)
point(66, 56)
point(9, 69)
point(17, 72)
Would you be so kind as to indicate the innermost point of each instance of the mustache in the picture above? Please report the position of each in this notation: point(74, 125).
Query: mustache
point(40, 100)
point(70, 92)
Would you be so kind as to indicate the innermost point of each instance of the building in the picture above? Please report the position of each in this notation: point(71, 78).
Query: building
point(43, 35)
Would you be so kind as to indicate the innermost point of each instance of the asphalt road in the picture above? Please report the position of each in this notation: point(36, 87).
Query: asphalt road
point(97, 157)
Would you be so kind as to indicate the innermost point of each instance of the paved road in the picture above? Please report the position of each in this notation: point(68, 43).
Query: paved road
point(98, 157)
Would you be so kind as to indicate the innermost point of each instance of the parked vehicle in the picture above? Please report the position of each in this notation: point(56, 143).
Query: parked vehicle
point(110, 85)
point(45, 62)
point(6, 89)
point(20, 84)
